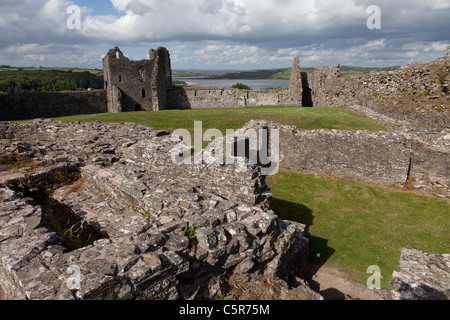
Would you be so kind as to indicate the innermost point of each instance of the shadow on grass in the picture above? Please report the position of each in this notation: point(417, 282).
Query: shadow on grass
point(287, 210)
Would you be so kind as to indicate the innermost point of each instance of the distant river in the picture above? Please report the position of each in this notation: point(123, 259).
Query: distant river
point(254, 84)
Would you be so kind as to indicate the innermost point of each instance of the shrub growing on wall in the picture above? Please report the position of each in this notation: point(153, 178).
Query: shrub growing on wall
point(241, 86)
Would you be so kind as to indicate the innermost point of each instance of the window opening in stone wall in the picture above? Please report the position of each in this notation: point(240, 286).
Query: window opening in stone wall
point(143, 93)
point(120, 78)
point(141, 72)
point(117, 55)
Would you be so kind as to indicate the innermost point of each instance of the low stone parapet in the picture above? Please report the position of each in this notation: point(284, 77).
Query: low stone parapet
point(421, 276)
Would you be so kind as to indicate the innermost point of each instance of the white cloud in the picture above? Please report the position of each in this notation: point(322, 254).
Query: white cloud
point(30, 48)
point(437, 46)
point(375, 45)
point(440, 4)
point(227, 33)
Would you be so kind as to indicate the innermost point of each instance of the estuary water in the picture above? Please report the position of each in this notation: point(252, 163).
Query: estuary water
point(254, 84)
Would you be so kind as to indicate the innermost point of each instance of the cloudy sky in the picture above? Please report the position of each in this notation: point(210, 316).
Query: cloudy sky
point(224, 34)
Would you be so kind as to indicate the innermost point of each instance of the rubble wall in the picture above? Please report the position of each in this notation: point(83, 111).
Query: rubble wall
point(416, 95)
point(141, 201)
point(380, 157)
point(419, 157)
point(421, 276)
point(217, 98)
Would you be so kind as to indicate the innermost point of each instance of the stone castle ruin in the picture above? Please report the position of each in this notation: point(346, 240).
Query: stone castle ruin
point(147, 85)
point(137, 85)
point(144, 227)
point(416, 95)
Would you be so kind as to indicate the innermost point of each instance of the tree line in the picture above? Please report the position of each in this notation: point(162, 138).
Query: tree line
point(41, 80)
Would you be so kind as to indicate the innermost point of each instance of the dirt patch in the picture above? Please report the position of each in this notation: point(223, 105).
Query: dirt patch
point(333, 283)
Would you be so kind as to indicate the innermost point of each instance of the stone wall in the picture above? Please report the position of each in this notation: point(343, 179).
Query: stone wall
point(421, 276)
point(214, 98)
point(430, 162)
point(419, 157)
point(205, 98)
point(382, 157)
point(55, 104)
point(217, 98)
point(416, 95)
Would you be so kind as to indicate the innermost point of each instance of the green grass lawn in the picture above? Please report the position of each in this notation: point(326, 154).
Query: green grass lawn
point(222, 119)
point(354, 225)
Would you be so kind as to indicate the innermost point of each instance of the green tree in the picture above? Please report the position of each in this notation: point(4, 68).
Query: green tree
point(64, 85)
point(241, 86)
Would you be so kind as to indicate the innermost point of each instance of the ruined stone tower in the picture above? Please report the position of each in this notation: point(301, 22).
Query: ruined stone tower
point(137, 85)
point(295, 84)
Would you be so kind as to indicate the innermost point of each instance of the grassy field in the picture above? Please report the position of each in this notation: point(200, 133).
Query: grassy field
point(355, 225)
point(222, 119)
point(350, 224)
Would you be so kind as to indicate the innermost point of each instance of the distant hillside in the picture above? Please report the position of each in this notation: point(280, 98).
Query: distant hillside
point(16, 79)
point(197, 73)
point(274, 74)
point(285, 74)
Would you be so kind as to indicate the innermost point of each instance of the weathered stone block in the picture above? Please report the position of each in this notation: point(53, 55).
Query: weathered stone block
point(153, 261)
point(177, 242)
point(173, 226)
point(206, 237)
point(421, 276)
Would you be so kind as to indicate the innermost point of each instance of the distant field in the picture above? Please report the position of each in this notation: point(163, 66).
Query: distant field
point(96, 72)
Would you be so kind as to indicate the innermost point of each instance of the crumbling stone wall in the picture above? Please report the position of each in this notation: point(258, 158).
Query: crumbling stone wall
point(421, 276)
point(419, 157)
point(382, 157)
point(216, 98)
point(137, 85)
point(54, 104)
point(296, 81)
point(430, 162)
point(416, 95)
